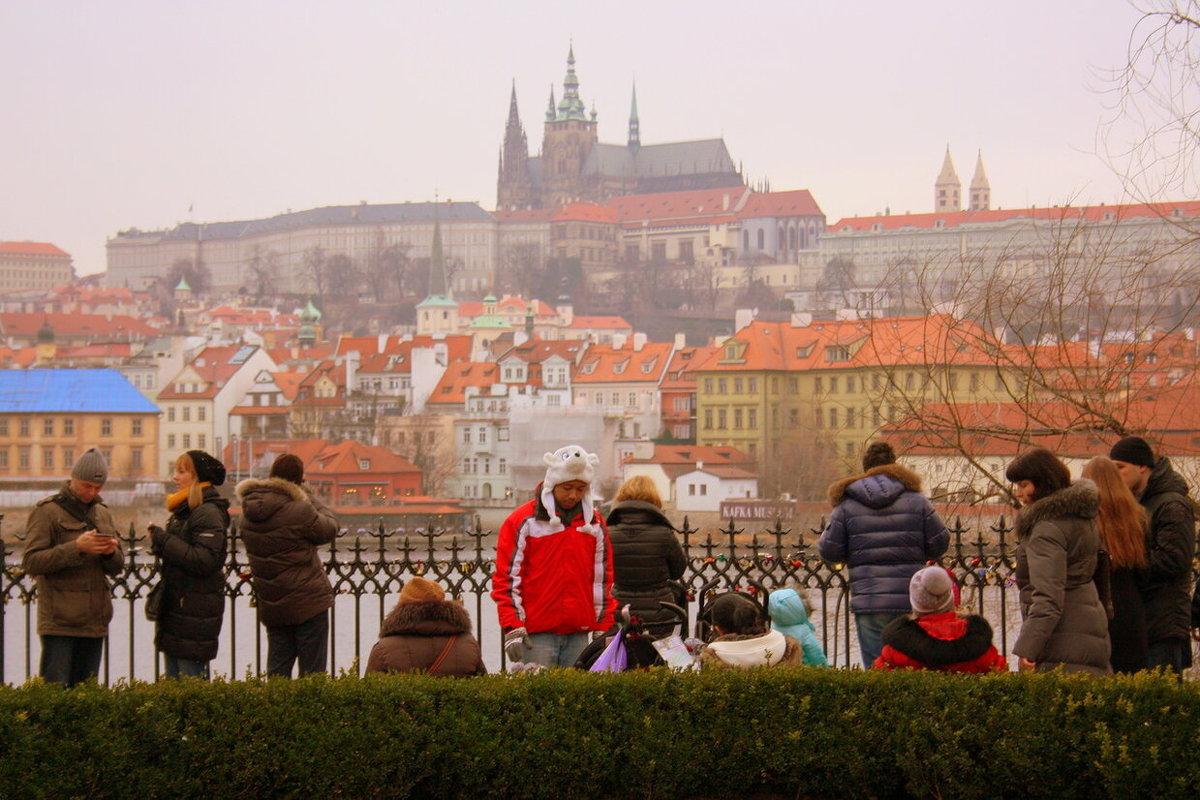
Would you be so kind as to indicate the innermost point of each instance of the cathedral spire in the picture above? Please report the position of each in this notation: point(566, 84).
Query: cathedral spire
point(947, 191)
point(550, 112)
point(635, 136)
point(981, 190)
point(437, 260)
point(571, 107)
point(514, 118)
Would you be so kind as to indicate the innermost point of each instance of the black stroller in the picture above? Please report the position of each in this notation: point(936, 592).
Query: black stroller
point(638, 642)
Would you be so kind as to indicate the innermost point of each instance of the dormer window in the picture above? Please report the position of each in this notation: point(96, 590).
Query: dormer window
point(364, 464)
point(837, 352)
point(619, 368)
point(588, 368)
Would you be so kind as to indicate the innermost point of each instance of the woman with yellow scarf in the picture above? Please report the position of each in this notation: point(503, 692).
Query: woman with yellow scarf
point(192, 549)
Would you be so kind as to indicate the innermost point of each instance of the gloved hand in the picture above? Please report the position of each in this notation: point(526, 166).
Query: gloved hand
point(157, 535)
point(516, 642)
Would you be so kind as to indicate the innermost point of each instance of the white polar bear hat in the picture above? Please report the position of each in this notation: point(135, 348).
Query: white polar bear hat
point(570, 463)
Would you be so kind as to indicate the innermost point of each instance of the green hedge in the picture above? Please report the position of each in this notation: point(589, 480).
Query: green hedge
point(791, 733)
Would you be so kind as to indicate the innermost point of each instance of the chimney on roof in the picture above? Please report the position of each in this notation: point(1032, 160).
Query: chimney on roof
point(699, 464)
point(680, 341)
point(618, 341)
point(742, 317)
point(639, 341)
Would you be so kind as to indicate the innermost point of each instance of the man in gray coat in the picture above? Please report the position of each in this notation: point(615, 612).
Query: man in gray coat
point(71, 547)
point(1170, 547)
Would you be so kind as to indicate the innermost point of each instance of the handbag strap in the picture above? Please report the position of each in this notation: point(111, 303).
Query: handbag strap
point(442, 656)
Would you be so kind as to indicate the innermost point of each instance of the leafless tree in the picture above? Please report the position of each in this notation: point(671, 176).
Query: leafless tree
point(315, 270)
point(1151, 138)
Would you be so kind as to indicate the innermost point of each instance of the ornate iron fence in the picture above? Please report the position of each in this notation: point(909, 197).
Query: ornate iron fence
point(368, 567)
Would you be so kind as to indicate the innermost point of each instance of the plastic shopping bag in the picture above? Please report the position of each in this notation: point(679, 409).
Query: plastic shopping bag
point(614, 658)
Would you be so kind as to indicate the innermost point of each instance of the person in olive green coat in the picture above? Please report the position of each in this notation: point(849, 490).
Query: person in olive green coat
point(71, 547)
point(1064, 623)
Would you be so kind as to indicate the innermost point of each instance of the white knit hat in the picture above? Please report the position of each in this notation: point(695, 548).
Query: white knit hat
point(931, 591)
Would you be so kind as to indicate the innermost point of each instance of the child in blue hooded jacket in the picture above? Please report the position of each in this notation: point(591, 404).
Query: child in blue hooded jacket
point(789, 616)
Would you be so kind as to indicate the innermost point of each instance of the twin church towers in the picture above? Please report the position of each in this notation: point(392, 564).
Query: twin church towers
point(947, 191)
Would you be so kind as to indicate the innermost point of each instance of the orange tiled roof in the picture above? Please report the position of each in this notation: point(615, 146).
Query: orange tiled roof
point(694, 206)
point(344, 458)
point(451, 389)
point(31, 249)
point(954, 219)
point(535, 351)
point(891, 341)
point(525, 215)
point(586, 212)
point(617, 324)
point(118, 326)
point(213, 366)
point(681, 372)
point(781, 204)
point(689, 454)
point(603, 363)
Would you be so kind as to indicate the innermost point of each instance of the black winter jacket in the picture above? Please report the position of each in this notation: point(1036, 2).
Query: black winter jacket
point(193, 576)
point(1170, 547)
point(647, 556)
point(884, 529)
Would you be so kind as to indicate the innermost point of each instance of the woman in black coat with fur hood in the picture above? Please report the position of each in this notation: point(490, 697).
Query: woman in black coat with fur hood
point(426, 633)
point(192, 549)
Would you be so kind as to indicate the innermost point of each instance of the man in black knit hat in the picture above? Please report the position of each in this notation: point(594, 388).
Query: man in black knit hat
point(1170, 547)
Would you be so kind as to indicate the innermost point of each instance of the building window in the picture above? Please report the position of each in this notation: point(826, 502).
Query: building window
point(818, 385)
point(68, 454)
point(3, 427)
point(483, 435)
point(833, 385)
point(3, 458)
point(708, 415)
point(737, 419)
point(47, 427)
point(135, 427)
point(170, 413)
point(850, 384)
point(200, 413)
point(708, 387)
point(833, 418)
point(721, 418)
point(135, 460)
point(691, 490)
point(466, 436)
point(737, 385)
point(201, 440)
point(187, 413)
point(722, 386)
point(686, 252)
point(47, 458)
point(170, 441)
point(703, 489)
point(502, 466)
point(187, 441)
point(68, 427)
point(752, 418)
point(752, 385)
point(106, 427)
point(23, 455)
point(23, 427)
point(632, 400)
point(794, 385)
point(658, 251)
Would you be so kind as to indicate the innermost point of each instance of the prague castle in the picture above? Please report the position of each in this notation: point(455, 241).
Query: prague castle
point(575, 166)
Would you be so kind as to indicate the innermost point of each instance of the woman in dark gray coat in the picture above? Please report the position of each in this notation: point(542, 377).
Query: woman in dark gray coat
point(1064, 624)
point(647, 557)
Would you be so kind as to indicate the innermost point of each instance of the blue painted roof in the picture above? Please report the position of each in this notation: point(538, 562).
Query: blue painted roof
point(50, 391)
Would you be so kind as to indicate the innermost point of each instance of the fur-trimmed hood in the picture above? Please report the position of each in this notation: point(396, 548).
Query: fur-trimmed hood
point(427, 618)
point(878, 487)
point(1081, 499)
point(261, 498)
point(908, 636)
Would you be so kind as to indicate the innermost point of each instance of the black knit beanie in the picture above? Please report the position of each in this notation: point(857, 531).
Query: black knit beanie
point(207, 468)
point(1133, 450)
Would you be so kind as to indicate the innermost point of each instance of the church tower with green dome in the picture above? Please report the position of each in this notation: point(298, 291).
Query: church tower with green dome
point(310, 319)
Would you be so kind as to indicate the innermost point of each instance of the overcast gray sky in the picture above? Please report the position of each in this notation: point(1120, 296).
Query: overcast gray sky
point(124, 113)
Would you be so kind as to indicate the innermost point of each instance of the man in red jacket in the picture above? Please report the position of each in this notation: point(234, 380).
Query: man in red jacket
point(553, 579)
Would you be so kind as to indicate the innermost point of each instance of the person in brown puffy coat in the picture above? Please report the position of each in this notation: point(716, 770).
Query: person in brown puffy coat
point(427, 633)
point(282, 526)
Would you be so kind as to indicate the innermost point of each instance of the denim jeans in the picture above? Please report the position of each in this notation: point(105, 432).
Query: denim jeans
point(184, 668)
point(870, 633)
point(307, 642)
point(556, 650)
point(71, 659)
point(1173, 653)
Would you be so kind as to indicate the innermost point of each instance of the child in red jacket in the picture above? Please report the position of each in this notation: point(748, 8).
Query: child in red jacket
point(935, 636)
